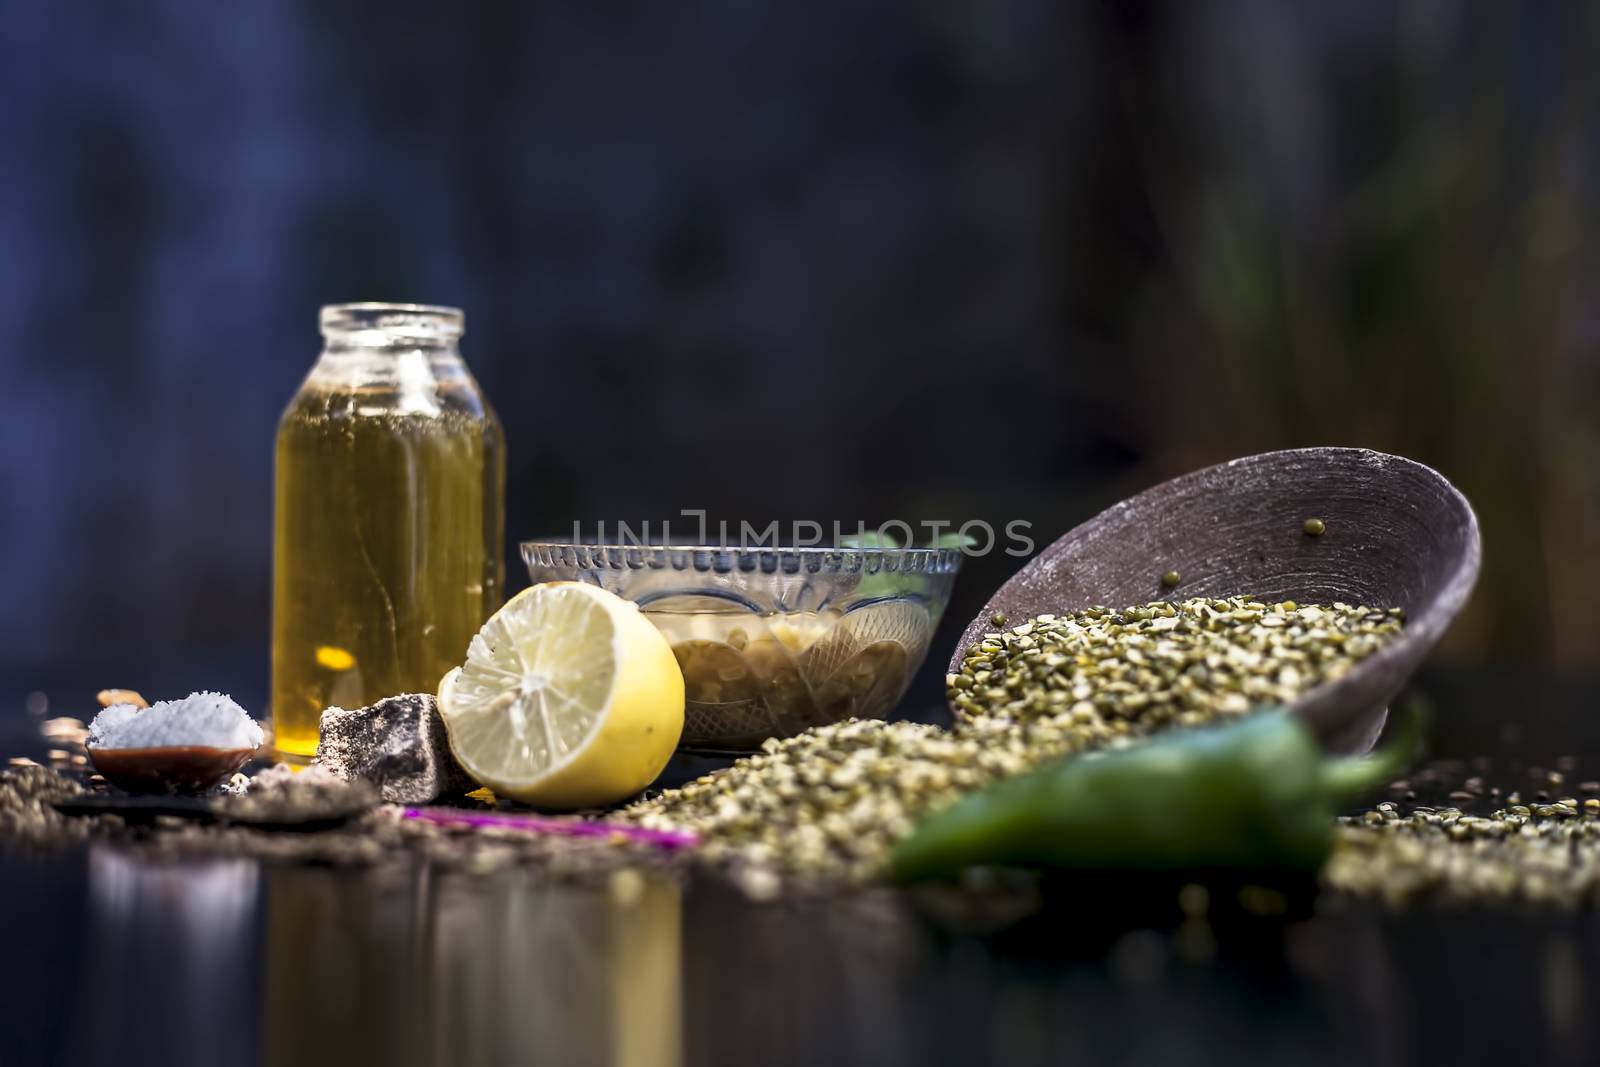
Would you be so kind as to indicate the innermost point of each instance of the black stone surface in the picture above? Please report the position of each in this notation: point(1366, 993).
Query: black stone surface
point(114, 956)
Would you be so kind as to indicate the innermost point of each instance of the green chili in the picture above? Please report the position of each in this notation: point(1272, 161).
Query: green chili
point(1257, 794)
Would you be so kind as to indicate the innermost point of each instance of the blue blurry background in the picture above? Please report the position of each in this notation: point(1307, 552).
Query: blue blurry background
point(841, 260)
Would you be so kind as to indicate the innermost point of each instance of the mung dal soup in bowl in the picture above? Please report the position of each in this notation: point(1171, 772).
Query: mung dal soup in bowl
point(773, 641)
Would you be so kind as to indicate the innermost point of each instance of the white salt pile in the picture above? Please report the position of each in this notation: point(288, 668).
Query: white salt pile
point(209, 719)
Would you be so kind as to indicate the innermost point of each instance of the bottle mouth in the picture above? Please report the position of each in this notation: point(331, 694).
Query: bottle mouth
point(376, 323)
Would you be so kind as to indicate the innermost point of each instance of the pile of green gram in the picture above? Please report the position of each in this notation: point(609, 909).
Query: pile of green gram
point(1538, 854)
point(832, 801)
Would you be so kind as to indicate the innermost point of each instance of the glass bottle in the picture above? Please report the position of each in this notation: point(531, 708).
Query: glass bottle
point(390, 513)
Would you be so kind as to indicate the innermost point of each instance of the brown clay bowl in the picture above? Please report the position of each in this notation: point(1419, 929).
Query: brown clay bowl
point(170, 769)
point(1398, 535)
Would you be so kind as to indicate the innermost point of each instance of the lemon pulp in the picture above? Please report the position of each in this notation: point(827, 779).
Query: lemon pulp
point(569, 698)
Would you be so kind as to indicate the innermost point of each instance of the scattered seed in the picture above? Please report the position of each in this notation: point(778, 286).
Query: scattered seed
point(1545, 854)
point(380, 837)
point(1315, 527)
point(67, 729)
point(1171, 579)
point(831, 802)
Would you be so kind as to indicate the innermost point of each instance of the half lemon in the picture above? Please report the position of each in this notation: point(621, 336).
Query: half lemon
point(570, 698)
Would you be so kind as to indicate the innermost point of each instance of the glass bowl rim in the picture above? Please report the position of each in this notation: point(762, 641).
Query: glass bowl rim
point(618, 555)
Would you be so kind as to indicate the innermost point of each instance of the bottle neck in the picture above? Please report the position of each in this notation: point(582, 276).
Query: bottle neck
point(407, 349)
point(405, 366)
point(393, 351)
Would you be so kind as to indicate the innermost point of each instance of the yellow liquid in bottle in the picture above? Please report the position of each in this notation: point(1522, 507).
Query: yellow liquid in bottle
point(387, 550)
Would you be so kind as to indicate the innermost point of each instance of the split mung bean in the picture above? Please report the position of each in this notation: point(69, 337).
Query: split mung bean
point(833, 801)
point(1161, 662)
point(1546, 854)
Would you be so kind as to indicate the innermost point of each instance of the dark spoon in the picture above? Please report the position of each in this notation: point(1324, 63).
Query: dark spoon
point(1397, 535)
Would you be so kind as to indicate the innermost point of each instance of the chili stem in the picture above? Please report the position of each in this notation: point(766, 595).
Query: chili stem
point(1348, 779)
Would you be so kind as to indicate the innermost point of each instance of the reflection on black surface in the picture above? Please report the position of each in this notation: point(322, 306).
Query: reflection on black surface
point(188, 963)
point(445, 968)
point(164, 951)
point(121, 957)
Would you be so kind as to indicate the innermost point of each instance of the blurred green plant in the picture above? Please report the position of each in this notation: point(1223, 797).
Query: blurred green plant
point(1403, 264)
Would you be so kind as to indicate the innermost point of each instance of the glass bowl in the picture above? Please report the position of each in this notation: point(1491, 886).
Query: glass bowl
point(773, 640)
